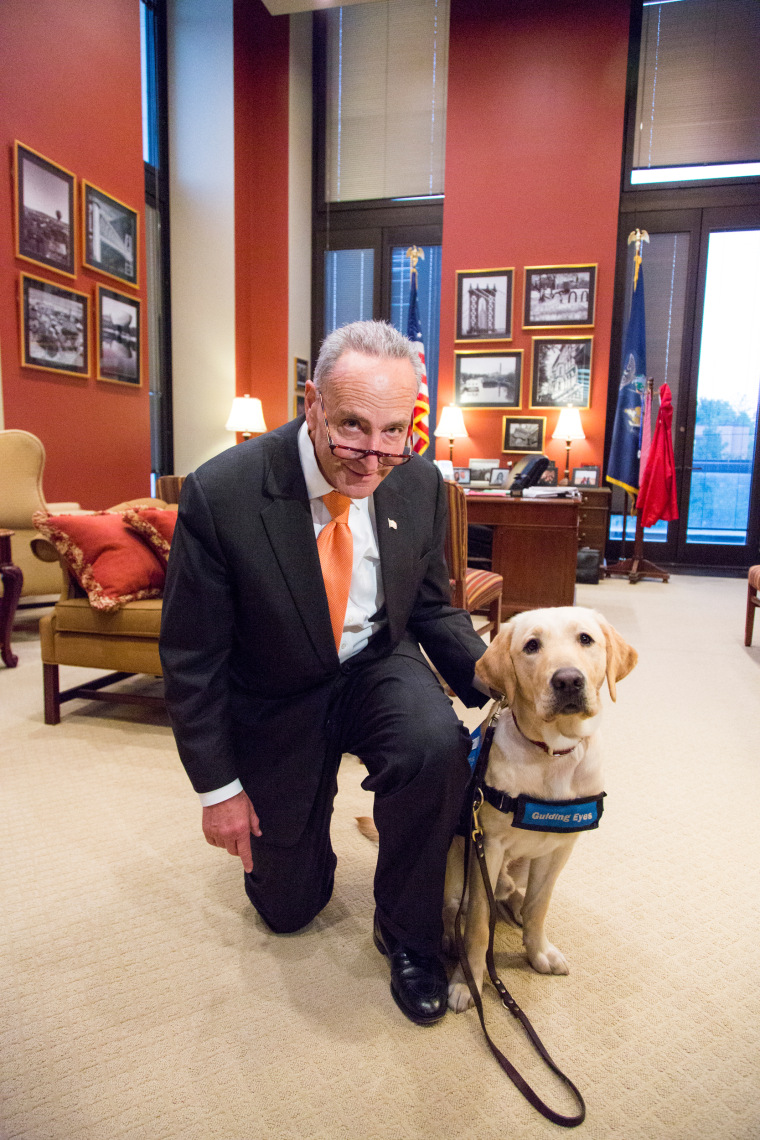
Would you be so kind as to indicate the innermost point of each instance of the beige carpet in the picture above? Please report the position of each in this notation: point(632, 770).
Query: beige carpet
point(143, 999)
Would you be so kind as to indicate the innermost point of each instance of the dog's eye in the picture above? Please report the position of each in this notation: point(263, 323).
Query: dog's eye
point(586, 639)
point(532, 646)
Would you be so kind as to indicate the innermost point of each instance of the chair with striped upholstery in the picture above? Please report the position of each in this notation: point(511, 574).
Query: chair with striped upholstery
point(753, 585)
point(477, 591)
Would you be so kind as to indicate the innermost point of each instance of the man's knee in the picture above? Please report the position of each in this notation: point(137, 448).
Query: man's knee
point(430, 749)
point(289, 906)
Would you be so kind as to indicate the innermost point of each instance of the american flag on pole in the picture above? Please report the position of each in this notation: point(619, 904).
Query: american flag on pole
point(421, 414)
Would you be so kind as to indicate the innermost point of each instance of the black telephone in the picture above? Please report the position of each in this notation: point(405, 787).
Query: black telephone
point(527, 472)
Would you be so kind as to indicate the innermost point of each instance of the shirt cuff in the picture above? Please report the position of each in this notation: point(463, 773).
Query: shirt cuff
point(208, 799)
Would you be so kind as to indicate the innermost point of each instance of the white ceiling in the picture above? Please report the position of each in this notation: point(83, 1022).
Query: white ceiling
point(283, 7)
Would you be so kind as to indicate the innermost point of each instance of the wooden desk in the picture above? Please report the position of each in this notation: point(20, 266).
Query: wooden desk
point(535, 543)
point(12, 580)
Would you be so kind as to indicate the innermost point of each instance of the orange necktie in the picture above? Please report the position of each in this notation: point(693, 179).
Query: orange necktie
point(335, 545)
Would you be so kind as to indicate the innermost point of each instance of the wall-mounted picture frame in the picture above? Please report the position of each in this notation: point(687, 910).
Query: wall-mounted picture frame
point(109, 235)
point(557, 295)
point(117, 339)
point(523, 435)
point(44, 211)
point(55, 327)
point(561, 372)
point(589, 476)
point(299, 406)
point(462, 476)
point(485, 299)
point(301, 368)
point(491, 379)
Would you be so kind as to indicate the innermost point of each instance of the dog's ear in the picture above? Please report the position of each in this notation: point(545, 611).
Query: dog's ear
point(495, 667)
point(621, 657)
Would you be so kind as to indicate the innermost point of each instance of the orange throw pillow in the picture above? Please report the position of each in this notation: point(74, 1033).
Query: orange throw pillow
point(156, 526)
point(108, 559)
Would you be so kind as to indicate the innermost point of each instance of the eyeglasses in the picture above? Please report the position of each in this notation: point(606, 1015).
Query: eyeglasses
point(384, 458)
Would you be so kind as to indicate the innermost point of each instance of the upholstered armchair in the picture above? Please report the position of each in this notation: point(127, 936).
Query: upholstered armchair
point(22, 461)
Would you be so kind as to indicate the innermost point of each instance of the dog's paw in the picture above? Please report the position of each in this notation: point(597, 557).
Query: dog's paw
point(548, 960)
point(460, 997)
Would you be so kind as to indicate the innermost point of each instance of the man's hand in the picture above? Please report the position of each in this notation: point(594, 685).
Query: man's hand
point(229, 825)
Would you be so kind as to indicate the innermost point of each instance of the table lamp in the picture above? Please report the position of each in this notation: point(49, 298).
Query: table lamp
point(568, 427)
point(246, 416)
point(451, 425)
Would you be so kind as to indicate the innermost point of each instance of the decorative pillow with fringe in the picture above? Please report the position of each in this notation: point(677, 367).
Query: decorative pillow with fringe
point(105, 556)
point(155, 526)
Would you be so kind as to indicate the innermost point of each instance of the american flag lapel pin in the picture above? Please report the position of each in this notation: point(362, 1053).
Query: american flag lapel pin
point(392, 524)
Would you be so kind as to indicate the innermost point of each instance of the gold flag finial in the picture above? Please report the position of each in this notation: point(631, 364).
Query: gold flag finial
point(638, 236)
point(415, 254)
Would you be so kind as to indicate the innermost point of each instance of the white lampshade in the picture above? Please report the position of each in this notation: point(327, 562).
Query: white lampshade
point(451, 423)
point(569, 425)
point(246, 415)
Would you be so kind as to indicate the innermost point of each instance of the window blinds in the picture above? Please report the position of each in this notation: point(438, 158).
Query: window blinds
point(387, 67)
point(699, 83)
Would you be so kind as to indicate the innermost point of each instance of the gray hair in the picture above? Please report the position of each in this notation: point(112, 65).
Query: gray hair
point(371, 338)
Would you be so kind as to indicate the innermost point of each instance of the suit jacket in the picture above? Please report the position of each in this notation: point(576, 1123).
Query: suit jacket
point(246, 644)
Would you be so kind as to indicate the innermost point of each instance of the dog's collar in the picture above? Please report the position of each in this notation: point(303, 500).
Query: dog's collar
point(540, 744)
point(531, 814)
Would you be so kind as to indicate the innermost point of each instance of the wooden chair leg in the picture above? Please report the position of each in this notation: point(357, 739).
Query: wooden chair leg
point(52, 694)
point(494, 616)
point(751, 607)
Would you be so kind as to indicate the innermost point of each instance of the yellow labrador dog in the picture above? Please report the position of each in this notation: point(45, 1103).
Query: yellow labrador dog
point(551, 665)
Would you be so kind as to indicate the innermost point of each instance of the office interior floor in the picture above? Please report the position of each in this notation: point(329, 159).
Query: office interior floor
point(144, 999)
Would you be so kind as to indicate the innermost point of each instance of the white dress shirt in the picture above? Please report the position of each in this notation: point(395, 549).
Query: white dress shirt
point(365, 596)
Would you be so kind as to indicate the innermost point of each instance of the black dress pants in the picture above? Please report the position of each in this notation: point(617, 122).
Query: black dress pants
point(393, 714)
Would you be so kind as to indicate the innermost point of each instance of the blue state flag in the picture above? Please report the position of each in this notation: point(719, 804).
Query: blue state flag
point(623, 463)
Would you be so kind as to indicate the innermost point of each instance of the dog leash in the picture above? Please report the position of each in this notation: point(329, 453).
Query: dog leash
point(474, 837)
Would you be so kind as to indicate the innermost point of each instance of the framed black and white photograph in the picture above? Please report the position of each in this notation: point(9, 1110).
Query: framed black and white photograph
point(110, 235)
point(589, 476)
point(488, 379)
point(301, 373)
point(44, 211)
point(55, 327)
point(561, 372)
point(523, 434)
point(484, 304)
point(498, 477)
point(118, 337)
point(299, 404)
point(559, 295)
point(480, 470)
point(462, 476)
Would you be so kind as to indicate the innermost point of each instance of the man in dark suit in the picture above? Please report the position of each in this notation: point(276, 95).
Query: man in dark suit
point(272, 672)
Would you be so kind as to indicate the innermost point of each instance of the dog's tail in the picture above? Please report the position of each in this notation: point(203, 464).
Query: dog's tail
point(367, 827)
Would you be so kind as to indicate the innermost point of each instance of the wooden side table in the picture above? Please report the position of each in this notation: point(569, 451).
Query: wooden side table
point(594, 518)
point(12, 579)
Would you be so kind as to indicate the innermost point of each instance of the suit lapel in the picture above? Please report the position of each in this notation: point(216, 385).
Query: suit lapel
point(395, 530)
point(288, 523)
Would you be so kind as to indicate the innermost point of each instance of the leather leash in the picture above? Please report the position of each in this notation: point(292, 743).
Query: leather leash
point(474, 836)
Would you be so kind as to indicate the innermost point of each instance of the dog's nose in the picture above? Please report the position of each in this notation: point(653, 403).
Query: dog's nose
point(567, 682)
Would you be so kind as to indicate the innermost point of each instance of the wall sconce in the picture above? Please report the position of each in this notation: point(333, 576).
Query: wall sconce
point(451, 425)
point(568, 427)
point(246, 416)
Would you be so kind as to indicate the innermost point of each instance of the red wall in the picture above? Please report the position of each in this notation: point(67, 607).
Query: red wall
point(70, 89)
point(261, 207)
point(533, 155)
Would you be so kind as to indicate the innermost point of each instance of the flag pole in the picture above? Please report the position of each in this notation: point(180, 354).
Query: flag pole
point(636, 567)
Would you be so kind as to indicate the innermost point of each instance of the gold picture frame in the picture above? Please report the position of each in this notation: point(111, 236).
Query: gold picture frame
point(483, 381)
point(485, 304)
point(559, 296)
point(118, 338)
point(116, 254)
point(560, 372)
point(44, 211)
point(523, 435)
point(54, 323)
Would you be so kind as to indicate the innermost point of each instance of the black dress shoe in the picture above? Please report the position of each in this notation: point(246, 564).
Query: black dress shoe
point(418, 981)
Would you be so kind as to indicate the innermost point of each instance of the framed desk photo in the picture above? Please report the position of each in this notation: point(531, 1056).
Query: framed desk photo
point(109, 231)
point(484, 304)
point(561, 372)
point(590, 476)
point(523, 434)
point(118, 337)
point(462, 476)
point(44, 211)
point(557, 295)
point(488, 379)
point(55, 327)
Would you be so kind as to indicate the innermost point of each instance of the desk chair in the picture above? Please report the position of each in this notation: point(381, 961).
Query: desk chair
point(753, 585)
point(477, 591)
